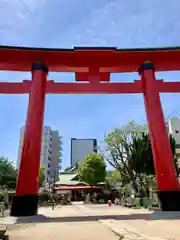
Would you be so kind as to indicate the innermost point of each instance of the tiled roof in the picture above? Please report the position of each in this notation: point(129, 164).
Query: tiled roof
point(67, 179)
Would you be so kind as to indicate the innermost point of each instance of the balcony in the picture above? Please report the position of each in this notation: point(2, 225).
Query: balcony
point(50, 151)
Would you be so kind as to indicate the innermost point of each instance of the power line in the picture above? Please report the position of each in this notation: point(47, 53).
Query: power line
point(174, 112)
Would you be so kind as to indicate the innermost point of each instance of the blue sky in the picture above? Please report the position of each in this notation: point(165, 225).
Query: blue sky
point(69, 23)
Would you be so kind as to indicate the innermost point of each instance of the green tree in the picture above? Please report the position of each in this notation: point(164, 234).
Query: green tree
point(141, 160)
point(92, 169)
point(8, 173)
point(128, 149)
point(113, 177)
point(116, 176)
point(117, 150)
point(41, 175)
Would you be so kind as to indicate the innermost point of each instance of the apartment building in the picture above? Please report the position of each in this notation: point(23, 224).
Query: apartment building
point(51, 152)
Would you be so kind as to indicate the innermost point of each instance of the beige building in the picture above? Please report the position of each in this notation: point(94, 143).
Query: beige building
point(51, 152)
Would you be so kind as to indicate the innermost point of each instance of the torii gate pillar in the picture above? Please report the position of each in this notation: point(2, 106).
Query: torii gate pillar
point(26, 200)
point(166, 176)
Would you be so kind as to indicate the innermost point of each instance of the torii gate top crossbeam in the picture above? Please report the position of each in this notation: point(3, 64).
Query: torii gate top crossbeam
point(81, 59)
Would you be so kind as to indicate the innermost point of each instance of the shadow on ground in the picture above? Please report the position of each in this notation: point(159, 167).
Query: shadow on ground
point(42, 218)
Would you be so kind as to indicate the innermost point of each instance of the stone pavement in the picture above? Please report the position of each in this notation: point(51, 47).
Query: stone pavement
point(81, 222)
point(61, 223)
point(59, 230)
point(126, 232)
point(139, 223)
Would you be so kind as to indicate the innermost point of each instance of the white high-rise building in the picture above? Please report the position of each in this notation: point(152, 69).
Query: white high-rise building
point(173, 126)
point(51, 152)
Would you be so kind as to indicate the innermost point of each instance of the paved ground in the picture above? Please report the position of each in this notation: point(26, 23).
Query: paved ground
point(143, 221)
point(61, 223)
point(81, 222)
point(66, 231)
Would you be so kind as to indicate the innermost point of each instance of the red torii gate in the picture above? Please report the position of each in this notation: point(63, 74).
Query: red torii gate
point(92, 65)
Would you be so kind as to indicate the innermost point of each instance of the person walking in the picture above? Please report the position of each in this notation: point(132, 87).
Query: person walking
point(53, 204)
